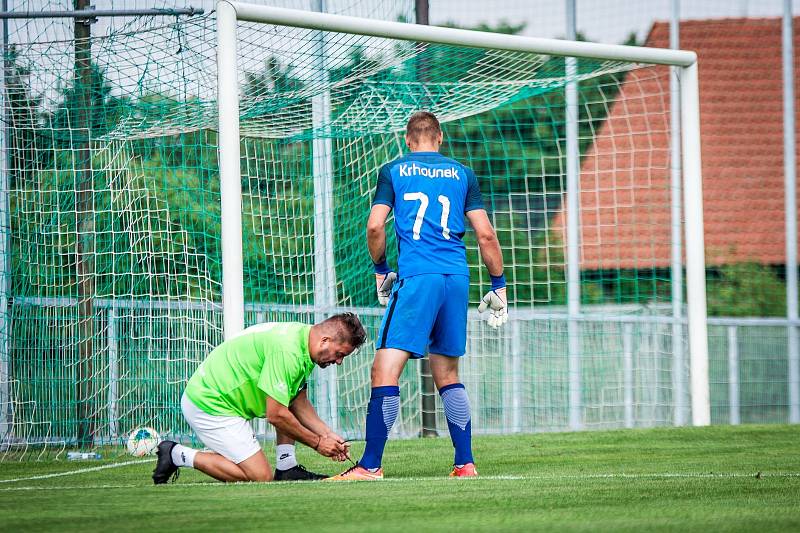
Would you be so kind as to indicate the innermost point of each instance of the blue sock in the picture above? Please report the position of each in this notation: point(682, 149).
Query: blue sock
point(456, 409)
point(381, 414)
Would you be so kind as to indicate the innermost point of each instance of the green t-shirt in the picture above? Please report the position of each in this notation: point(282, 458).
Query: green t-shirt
point(269, 359)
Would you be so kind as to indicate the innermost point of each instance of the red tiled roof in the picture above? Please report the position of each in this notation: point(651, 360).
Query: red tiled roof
point(625, 176)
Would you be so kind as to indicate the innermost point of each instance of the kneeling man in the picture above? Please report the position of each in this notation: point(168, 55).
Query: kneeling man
point(261, 372)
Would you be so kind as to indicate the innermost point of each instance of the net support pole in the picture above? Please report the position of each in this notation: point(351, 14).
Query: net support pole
point(427, 386)
point(516, 375)
point(627, 373)
point(5, 228)
point(733, 376)
point(790, 210)
point(695, 246)
point(260, 424)
point(229, 172)
point(89, 14)
point(573, 234)
point(85, 258)
point(113, 372)
point(676, 268)
point(324, 269)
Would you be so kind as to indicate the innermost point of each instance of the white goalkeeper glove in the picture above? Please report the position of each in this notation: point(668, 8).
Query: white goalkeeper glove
point(384, 284)
point(495, 301)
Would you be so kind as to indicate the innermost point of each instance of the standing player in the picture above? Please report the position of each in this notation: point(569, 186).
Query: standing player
point(260, 372)
point(428, 296)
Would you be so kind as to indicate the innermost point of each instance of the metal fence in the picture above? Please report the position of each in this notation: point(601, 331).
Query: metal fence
point(518, 377)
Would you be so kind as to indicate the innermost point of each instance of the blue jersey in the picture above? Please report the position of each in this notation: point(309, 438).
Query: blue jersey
point(429, 194)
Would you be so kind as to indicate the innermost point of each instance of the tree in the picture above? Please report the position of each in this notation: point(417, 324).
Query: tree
point(105, 110)
point(745, 289)
point(272, 79)
point(28, 148)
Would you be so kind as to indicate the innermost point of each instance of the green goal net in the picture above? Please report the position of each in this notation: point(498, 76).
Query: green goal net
point(112, 224)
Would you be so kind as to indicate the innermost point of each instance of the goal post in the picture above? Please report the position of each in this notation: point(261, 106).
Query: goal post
point(229, 14)
point(695, 245)
point(230, 174)
point(283, 126)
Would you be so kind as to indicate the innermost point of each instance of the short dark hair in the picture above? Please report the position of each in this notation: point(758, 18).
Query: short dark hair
point(423, 124)
point(348, 329)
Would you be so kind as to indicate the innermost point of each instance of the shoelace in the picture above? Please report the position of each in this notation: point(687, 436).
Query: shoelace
point(355, 465)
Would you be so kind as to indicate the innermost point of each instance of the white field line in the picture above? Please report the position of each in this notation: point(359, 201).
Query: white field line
point(405, 480)
point(79, 471)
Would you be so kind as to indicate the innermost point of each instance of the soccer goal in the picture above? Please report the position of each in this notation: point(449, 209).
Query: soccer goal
point(571, 142)
point(177, 179)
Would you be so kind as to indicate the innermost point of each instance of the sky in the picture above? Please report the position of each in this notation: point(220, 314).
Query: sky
point(609, 21)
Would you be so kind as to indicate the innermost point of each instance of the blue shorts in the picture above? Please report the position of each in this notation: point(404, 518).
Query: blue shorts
point(427, 313)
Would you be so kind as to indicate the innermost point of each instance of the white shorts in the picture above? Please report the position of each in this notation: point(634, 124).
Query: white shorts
point(230, 436)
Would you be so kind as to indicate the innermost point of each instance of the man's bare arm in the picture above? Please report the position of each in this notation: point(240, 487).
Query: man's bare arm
point(376, 232)
point(487, 241)
point(495, 300)
point(304, 412)
point(284, 420)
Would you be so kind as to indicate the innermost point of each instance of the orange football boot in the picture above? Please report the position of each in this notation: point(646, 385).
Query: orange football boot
point(468, 470)
point(357, 473)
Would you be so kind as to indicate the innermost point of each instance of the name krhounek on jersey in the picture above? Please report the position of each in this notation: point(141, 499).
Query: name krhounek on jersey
point(407, 170)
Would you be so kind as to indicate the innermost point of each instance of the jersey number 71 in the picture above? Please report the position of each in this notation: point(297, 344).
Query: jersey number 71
point(423, 206)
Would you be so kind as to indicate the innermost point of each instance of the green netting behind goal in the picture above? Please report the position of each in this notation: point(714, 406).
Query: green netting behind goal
point(113, 223)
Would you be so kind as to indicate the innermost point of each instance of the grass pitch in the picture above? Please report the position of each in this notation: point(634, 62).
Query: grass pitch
point(722, 478)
